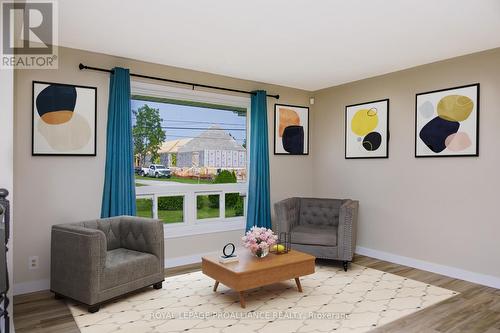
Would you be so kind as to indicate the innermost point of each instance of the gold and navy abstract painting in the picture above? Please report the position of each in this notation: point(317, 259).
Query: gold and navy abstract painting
point(291, 130)
point(64, 119)
point(447, 122)
point(367, 130)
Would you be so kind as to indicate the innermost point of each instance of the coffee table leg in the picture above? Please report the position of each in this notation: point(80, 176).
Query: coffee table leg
point(242, 300)
point(299, 287)
point(216, 285)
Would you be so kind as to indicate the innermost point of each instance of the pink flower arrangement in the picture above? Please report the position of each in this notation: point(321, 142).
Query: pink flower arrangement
point(259, 240)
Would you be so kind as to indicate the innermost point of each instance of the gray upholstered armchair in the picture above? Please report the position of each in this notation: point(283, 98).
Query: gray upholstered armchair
point(98, 260)
point(325, 228)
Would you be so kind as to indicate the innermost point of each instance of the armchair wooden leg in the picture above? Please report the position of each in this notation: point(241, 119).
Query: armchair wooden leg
point(345, 264)
point(94, 308)
point(158, 285)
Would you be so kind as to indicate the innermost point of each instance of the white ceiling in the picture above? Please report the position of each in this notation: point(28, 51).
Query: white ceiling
point(304, 44)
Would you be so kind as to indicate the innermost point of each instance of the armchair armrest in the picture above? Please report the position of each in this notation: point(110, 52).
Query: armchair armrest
point(143, 235)
point(78, 256)
point(348, 220)
point(287, 214)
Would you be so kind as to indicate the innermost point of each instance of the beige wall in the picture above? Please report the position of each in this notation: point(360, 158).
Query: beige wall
point(7, 152)
point(52, 190)
point(440, 210)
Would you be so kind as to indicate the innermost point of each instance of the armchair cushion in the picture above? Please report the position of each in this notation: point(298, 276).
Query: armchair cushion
point(319, 212)
point(142, 235)
point(123, 265)
point(109, 226)
point(314, 235)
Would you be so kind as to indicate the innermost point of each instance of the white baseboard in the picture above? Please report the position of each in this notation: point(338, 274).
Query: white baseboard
point(31, 287)
point(457, 273)
point(186, 260)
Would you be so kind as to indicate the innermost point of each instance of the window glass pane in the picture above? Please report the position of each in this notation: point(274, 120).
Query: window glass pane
point(207, 206)
point(144, 207)
point(196, 143)
point(171, 209)
point(235, 205)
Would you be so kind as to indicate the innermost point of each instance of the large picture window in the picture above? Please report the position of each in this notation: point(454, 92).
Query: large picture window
point(190, 151)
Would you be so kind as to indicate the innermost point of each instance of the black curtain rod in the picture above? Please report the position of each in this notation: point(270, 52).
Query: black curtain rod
point(82, 66)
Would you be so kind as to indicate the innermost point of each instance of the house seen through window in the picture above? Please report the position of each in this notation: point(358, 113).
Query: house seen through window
point(190, 160)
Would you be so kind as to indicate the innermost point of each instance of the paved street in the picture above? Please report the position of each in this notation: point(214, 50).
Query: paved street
point(153, 182)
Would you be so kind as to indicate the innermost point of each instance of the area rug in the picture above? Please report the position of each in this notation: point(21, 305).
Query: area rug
point(358, 300)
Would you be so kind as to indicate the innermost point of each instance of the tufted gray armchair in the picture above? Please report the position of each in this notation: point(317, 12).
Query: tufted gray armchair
point(94, 261)
point(325, 228)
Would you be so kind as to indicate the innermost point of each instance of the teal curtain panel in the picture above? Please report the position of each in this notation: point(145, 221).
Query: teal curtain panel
point(259, 204)
point(119, 187)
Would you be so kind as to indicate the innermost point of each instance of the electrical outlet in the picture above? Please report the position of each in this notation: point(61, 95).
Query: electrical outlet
point(33, 262)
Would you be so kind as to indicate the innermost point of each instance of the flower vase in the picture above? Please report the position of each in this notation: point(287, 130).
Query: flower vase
point(261, 253)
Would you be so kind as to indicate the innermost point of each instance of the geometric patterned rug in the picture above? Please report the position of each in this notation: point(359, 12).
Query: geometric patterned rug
point(358, 300)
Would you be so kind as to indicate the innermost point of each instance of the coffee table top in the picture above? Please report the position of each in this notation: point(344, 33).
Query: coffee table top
point(249, 263)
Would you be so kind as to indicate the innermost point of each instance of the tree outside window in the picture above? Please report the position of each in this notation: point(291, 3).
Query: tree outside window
point(148, 133)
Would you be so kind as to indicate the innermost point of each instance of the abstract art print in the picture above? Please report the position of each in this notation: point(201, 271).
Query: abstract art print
point(64, 119)
point(291, 130)
point(447, 122)
point(367, 130)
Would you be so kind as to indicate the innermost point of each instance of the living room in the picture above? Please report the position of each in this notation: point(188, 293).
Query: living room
point(267, 166)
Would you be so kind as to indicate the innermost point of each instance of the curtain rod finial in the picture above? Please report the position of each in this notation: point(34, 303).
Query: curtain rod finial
point(81, 66)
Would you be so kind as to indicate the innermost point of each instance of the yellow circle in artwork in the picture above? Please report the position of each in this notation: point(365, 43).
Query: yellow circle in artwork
point(364, 121)
point(455, 107)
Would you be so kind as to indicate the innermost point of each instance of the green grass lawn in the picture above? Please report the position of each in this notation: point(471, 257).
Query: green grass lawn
point(205, 211)
point(176, 179)
point(174, 216)
point(145, 209)
point(231, 212)
point(205, 208)
point(168, 216)
point(171, 216)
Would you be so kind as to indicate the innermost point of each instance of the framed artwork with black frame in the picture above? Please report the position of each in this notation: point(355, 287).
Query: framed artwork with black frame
point(447, 122)
point(291, 130)
point(367, 130)
point(64, 119)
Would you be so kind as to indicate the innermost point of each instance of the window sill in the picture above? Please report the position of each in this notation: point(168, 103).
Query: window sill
point(203, 227)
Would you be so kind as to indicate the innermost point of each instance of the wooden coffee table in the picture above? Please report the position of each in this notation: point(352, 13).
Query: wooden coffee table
point(252, 272)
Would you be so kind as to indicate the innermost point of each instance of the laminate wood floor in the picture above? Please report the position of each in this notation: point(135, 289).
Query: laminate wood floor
point(475, 310)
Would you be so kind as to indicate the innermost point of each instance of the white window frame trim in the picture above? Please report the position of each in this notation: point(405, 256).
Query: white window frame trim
point(191, 225)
